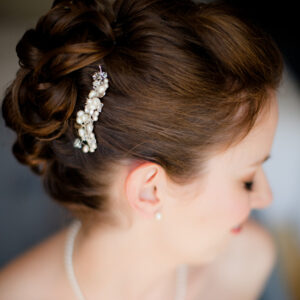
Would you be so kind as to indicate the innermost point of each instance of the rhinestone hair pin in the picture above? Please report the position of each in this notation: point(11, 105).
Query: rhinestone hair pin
point(93, 106)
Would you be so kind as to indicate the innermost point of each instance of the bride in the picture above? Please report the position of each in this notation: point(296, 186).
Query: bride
point(150, 121)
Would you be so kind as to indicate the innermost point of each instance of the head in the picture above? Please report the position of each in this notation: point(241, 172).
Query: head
point(191, 104)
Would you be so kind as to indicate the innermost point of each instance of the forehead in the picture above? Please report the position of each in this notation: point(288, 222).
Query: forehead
point(256, 145)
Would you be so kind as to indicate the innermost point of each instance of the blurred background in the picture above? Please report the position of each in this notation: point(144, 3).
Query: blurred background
point(28, 215)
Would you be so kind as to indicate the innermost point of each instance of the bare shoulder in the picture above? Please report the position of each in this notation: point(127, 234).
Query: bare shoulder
point(34, 272)
point(254, 244)
point(242, 270)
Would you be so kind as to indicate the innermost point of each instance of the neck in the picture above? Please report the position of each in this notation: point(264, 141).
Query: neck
point(129, 264)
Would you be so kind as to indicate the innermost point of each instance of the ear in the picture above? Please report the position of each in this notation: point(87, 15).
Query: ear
point(141, 186)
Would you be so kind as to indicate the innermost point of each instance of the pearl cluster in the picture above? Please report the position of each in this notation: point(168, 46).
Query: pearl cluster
point(86, 117)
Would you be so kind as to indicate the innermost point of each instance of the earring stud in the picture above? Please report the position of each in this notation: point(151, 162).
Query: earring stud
point(158, 216)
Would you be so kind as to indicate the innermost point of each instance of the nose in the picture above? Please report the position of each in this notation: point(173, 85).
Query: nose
point(262, 195)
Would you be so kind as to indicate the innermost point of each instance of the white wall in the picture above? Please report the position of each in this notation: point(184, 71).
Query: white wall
point(283, 168)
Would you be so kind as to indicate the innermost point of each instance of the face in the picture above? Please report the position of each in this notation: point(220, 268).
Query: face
point(205, 213)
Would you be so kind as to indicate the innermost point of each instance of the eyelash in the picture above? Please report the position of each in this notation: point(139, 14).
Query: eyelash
point(249, 185)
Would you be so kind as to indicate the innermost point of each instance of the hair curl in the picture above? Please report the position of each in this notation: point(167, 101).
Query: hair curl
point(179, 73)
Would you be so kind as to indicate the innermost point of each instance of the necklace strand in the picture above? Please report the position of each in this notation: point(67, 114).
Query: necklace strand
point(69, 247)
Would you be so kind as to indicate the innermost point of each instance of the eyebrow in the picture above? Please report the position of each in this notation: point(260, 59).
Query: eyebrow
point(261, 161)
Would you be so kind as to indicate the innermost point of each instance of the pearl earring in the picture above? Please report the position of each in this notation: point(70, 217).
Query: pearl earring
point(158, 216)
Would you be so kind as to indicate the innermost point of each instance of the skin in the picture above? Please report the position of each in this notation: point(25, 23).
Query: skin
point(196, 220)
point(140, 261)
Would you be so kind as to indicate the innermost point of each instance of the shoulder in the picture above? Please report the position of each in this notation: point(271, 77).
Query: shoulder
point(255, 244)
point(255, 250)
point(241, 272)
point(35, 271)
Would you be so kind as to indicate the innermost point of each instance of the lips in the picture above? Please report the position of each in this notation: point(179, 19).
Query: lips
point(237, 228)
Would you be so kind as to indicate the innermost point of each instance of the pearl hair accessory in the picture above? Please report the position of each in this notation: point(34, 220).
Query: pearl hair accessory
point(86, 117)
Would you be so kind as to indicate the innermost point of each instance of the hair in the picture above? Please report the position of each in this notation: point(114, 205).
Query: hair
point(185, 79)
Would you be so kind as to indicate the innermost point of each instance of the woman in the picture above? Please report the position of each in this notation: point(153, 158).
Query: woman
point(162, 185)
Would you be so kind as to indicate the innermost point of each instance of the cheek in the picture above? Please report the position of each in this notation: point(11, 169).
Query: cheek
point(201, 229)
point(231, 209)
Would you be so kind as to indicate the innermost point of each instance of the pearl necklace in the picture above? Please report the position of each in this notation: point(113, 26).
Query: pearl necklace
point(73, 230)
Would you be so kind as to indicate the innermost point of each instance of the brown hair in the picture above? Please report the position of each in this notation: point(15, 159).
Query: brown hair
point(179, 75)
